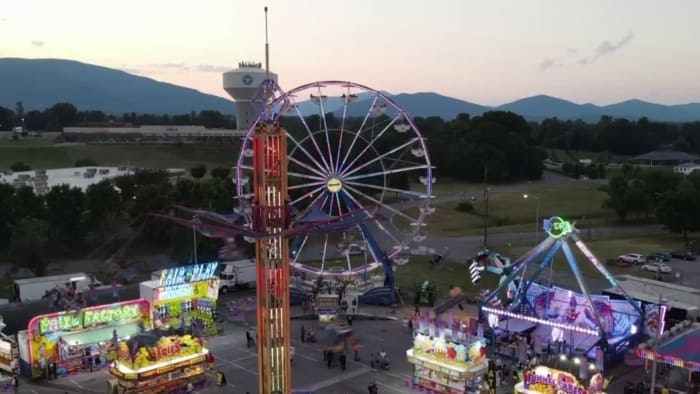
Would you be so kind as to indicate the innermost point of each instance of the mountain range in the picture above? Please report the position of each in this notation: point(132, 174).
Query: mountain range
point(40, 83)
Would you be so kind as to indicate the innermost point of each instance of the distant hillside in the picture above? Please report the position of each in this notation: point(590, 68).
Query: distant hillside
point(40, 83)
point(424, 104)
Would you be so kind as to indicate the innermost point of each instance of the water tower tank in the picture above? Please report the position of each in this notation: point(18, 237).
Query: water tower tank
point(243, 85)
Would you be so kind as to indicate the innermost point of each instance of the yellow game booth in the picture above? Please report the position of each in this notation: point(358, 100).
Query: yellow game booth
point(162, 367)
point(447, 366)
point(545, 380)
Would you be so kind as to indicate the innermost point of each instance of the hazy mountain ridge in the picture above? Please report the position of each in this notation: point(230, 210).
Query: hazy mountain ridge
point(40, 83)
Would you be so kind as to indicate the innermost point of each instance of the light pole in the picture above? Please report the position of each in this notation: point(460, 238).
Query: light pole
point(588, 214)
point(486, 201)
point(537, 215)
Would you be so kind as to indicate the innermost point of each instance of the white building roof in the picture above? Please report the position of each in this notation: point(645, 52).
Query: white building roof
point(649, 290)
point(73, 177)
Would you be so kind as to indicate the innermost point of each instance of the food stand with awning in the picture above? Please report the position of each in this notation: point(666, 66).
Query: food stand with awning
point(545, 380)
point(446, 357)
point(184, 294)
point(163, 365)
point(65, 337)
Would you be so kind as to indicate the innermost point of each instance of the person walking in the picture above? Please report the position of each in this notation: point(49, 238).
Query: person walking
point(303, 334)
point(330, 358)
point(416, 310)
point(248, 338)
point(410, 325)
point(372, 364)
point(343, 360)
point(372, 388)
point(291, 354)
point(356, 349)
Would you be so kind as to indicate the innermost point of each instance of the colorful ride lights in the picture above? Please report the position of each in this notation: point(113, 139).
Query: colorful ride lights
point(475, 270)
point(533, 319)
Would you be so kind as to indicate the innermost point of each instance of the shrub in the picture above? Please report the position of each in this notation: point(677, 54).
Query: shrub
point(85, 162)
point(465, 206)
point(20, 166)
point(198, 171)
point(220, 172)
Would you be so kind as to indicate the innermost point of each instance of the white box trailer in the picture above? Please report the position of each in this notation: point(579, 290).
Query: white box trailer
point(35, 288)
point(236, 274)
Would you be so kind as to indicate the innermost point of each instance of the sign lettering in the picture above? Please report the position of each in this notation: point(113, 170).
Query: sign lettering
point(565, 386)
point(557, 227)
point(120, 314)
point(89, 317)
point(187, 274)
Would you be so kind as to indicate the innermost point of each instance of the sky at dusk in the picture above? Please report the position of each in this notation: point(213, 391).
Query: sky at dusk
point(488, 52)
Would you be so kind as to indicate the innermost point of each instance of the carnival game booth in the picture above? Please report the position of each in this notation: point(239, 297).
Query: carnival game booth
point(545, 380)
point(573, 323)
point(184, 298)
point(65, 338)
point(677, 347)
point(447, 358)
point(148, 363)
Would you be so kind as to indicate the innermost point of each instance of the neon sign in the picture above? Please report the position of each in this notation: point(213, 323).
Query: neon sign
point(105, 314)
point(563, 382)
point(557, 227)
point(120, 314)
point(173, 292)
point(187, 274)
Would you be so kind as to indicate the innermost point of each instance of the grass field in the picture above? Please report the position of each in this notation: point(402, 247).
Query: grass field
point(40, 154)
point(510, 212)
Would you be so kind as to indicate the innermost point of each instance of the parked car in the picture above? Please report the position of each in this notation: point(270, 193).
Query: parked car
point(657, 267)
point(683, 255)
point(663, 256)
point(634, 258)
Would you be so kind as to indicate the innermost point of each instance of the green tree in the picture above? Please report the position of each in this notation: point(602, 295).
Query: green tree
point(7, 119)
point(679, 211)
point(102, 202)
point(29, 245)
point(65, 207)
point(20, 166)
point(617, 189)
point(65, 114)
point(198, 171)
point(85, 162)
point(26, 204)
point(7, 217)
point(220, 172)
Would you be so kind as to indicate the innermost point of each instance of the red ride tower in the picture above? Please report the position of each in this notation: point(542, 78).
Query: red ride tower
point(271, 215)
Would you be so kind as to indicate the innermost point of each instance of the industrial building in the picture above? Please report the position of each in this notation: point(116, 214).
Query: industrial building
point(150, 134)
point(43, 180)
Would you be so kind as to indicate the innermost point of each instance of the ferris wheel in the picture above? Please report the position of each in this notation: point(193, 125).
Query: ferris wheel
point(350, 148)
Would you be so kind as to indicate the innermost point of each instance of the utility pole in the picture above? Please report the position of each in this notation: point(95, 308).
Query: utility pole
point(486, 202)
point(588, 214)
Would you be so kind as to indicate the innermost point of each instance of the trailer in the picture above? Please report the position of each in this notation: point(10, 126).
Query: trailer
point(237, 274)
point(35, 288)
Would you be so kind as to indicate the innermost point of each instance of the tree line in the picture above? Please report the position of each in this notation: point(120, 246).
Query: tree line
point(617, 136)
point(62, 115)
point(69, 222)
point(670, 198)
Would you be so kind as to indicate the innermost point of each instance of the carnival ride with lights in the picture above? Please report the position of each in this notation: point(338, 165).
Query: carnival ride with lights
point(352, 152)
point(558, 315)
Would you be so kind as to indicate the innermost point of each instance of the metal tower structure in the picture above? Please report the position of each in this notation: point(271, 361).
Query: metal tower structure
point(271, 216)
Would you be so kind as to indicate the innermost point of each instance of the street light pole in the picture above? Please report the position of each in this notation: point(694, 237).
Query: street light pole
point(588, 214)
point(537, 215)
point(486, 201)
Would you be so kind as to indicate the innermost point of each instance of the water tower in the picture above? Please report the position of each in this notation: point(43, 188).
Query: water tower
point(243, 85)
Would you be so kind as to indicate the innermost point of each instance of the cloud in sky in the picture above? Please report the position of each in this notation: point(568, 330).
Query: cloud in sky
point(37, 43)
point(548, 63)
point(211, 68)
point(605, 48)
point(171, 66)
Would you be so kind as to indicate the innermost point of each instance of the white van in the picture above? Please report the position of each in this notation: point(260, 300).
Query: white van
point(35, 288)
point(235, 274)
